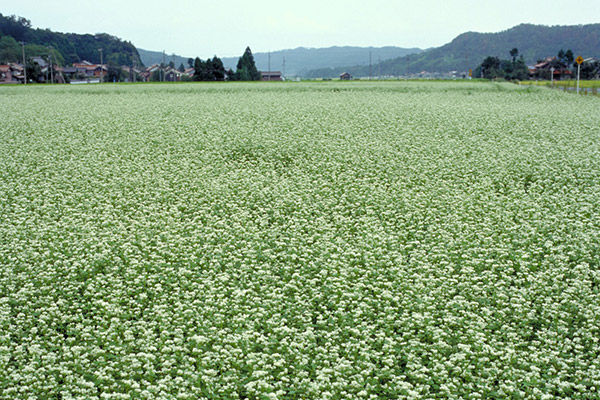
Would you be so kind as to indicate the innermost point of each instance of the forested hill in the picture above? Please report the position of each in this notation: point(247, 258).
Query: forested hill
point(66, 47)
point(468, 50)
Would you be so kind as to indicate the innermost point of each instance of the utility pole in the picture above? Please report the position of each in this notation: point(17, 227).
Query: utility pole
point(163, 67)
point(370, 65)
point(51, 66)
point(269, 72)
point(101, 66)
point(283, 68)
point(407, 61)
point(379, 71)
point(24, 64)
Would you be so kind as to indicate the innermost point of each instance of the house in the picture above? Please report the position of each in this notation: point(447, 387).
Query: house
point(543, 68)
point(270, 76)
point(6, 74)
point(345, 76)
point(189, 72)
point(11, 73)
point(172, 75)
point(91, 70)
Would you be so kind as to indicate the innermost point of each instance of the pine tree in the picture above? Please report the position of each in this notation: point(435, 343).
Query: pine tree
point(246, 68)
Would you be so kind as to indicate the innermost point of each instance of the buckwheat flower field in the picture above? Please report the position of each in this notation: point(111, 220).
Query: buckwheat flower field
point(394, 240)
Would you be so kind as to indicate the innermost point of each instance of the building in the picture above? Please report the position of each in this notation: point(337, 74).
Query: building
point(270, 76)
point(345, 76)
point(172, 75)
point(11, 73)
point(90, 70)
point(544, 70)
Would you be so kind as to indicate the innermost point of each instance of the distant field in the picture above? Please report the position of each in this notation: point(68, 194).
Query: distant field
point(571, 83)
point(333, 240)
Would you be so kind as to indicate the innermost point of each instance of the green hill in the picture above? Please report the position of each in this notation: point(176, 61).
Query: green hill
point(67, 48)
point(469, 49)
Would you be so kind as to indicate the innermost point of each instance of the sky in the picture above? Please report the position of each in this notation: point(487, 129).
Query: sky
point(202, 28)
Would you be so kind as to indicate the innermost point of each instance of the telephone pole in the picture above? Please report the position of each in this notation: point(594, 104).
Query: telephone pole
point(269, 66)
point(51, 66)
point(24, 64)
point(163, 67)
point(101, 66)
point(283, 67)
point(370, 65)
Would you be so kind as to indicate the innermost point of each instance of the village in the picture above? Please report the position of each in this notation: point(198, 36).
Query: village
point(87, 72)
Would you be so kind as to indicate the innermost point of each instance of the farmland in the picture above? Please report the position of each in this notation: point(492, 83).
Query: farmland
point(299, 241)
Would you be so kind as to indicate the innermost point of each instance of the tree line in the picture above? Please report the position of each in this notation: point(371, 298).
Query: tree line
point(516, 69)
point(213, 69)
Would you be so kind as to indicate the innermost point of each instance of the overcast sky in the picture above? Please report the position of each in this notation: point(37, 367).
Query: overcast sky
point(201, 28)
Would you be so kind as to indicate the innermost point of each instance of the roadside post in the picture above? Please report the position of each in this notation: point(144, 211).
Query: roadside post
point(578, 60)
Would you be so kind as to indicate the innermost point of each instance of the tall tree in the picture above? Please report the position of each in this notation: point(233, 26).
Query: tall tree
point(569, 57)
point(218, 69)
point(514, 53)
point(246, 67)
point(198, 69)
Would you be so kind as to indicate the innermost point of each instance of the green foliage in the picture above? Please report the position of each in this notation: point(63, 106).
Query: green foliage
point(590, 70)
point(495, 68)
point(10, 50)
point(246, 68)
point(34, 73)
point(156, 76)
point(70, 47)
point(115, 74)
point(209, 70)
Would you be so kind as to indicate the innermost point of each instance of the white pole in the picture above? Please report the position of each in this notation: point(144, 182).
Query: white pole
point(578, 68)
point(101, 68)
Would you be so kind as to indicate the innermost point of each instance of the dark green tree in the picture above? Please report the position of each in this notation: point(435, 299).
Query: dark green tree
point(569, 58)
point(514, 53)
point(218, 69)
point(590, 70)
point(492, 68)
point(198, 69)
point(246, 67)
point(190, 62)
point(156, 76)
point(14, 26)
point(10, 50)
point(181, 68)
point(34, 72)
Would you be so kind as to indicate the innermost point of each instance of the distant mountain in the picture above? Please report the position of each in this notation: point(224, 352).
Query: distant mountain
point(150, 57)
point(65, 48)
point(297, 61)
point(300, 60)
point(469, 49)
